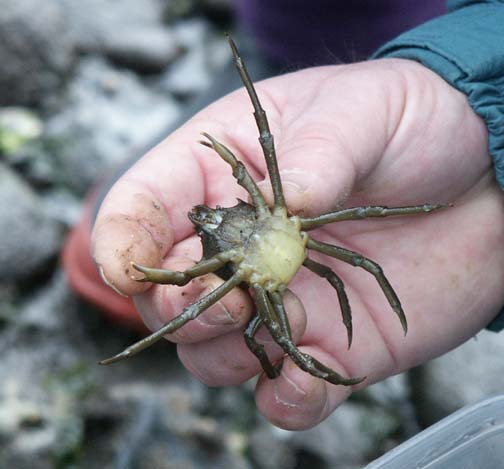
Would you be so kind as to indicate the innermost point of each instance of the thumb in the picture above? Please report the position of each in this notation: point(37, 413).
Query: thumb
point(330, 139)
point(315, 185)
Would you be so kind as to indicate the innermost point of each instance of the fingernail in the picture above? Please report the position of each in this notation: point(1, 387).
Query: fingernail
point(287, 392)
point(296, 186)
point(293, 178)
point(217, 315)
point(107, 282)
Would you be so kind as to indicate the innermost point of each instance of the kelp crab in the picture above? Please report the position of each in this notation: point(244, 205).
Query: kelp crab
point(252, 245)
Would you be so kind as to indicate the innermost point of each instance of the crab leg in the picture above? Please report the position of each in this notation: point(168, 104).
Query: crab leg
point(265, 137)
point(303, 360)
point(189, 313)
point(279, 308)
point(327, 273)
point(254, 325)
point(257, 349)
point(240, 173)
point(173, 277)
point(357, 260)
point(359, 213)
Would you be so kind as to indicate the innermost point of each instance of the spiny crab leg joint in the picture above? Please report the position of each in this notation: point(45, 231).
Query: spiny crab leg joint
point(263, 248)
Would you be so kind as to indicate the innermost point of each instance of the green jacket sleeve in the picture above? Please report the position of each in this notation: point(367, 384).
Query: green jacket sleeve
point(466, 48)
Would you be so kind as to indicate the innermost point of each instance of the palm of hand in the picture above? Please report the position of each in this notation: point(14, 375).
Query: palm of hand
point(394, 156)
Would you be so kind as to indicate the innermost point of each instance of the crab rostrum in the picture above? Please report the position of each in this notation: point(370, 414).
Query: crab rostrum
point(262, 248)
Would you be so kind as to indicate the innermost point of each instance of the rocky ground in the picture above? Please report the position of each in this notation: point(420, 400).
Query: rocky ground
point(82, 83)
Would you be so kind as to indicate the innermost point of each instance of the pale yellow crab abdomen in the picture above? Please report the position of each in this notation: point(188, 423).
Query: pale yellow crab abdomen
point(274, 254)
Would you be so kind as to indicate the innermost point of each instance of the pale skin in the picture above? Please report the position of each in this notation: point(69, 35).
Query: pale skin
point(385, 132)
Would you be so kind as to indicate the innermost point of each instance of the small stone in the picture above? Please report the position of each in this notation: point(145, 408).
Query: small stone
point(349, 436)
point(466, 375)
point(146, 50)
point(43, 310)
point(31, 238)
point(62, 206)
point(128, 32)
point(130, 117)
point(36, 51)
point(189, 74)
point(268, 450)
point(389, 392)
point(205, 54)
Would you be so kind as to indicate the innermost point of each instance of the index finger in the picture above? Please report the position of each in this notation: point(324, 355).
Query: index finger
point(145, 212)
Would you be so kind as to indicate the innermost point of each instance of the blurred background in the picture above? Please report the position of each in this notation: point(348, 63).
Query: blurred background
point(82, 84)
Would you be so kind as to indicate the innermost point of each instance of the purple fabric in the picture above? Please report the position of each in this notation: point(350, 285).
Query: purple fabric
point(304, 33)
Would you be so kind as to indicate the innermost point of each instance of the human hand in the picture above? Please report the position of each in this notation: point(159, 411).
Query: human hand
point(387, 132)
